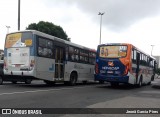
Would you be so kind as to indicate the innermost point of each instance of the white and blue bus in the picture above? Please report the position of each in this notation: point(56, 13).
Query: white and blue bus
point(31, 54)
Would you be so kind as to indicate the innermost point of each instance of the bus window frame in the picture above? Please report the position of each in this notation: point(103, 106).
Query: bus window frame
point(37, 44)
point(87, 58)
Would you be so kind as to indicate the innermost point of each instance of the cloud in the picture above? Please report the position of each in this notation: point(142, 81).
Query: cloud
point(119, 14)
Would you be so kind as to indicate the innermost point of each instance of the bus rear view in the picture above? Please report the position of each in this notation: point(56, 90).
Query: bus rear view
point(112, 63)
point(18, 57)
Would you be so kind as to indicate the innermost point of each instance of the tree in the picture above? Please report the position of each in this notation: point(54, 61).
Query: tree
point(158, 71)
point(49, 28)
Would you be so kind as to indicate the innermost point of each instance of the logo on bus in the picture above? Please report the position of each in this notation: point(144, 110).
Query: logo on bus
point(110, 63)
point(110, 68)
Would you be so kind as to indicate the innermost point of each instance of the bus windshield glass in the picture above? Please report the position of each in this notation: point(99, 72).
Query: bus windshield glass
point(113, 51)
point(18, 40)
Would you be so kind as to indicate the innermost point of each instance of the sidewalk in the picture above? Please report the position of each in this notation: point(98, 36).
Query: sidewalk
point(156, 83)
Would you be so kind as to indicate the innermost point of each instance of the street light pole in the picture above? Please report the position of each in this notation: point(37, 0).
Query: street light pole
point(18, 14)
point(8, 29)
point(152, 49)
point(100, 25)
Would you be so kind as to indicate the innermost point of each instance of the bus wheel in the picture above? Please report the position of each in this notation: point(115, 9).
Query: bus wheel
point(114, 84)
point(73, 79)
point(28, 81)
point(1, 80)
point(84, 82)
point(152, 78)
point(66, 83)
point(101, 82)
point(49, 82)
point(140, 83)
point(14, 82)
point(149, 83)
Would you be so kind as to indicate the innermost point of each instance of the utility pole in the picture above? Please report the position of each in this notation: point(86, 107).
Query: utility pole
point(100, 25)
point(18, 14)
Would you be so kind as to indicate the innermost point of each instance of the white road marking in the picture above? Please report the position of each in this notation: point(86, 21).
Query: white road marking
point(150, 92)
point(35, 91)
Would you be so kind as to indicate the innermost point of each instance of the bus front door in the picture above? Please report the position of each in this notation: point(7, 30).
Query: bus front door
point(59, 63)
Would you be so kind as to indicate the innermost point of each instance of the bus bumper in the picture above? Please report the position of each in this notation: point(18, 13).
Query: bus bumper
point(120, 79)
point(17, 78)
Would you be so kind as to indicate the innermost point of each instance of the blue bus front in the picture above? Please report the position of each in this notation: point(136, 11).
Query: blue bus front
point(110, 64)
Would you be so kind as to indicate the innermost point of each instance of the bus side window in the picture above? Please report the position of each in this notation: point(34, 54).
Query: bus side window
point(73, 54)
point(152, 63)
point(76, 54)
point(134, 56)
point(84, 56)
point(155, 65)
point(67, 49)
point(148, 61)
point(92, 57)
point(45, 48)
point(141, 59)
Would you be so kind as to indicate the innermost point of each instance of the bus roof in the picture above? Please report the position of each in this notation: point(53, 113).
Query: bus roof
point(55, 38)
point(115, 44)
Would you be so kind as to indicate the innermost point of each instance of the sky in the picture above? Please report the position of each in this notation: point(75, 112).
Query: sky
point(124, 21)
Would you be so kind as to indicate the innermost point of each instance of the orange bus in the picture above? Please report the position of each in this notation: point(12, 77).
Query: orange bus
point(123, 63)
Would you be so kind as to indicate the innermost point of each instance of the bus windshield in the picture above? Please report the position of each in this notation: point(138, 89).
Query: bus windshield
point(113, 51)
point(18, 40)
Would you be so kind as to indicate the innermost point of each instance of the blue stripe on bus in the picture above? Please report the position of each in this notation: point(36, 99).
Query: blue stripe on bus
point(33, 50)
point(51, 68)
point(5, 52)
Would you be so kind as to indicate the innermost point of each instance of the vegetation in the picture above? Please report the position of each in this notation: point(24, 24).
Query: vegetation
point(49, 28)
point(158, 71)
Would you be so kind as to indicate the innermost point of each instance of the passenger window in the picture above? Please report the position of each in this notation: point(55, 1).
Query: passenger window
point(45, 48)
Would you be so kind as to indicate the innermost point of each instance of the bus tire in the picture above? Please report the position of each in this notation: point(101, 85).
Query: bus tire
point(84, 82)
point(152, 78)
point(1, 80)
point(66, 83)
point(28, 81)
point(14, 82)
point(149, 83)
point(101, 82)
point(140, 82)
point(73, 78)
point(114, 84)
point(49, 82)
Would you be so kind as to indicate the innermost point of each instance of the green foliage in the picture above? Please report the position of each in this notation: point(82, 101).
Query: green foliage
point(158, 71)
point(49, 28)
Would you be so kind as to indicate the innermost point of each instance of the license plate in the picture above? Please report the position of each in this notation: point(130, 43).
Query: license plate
point(102, 71)
point(17, 65)
point(110, 72)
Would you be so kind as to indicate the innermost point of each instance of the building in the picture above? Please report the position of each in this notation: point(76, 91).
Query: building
point(157, 60)
point(1, 54)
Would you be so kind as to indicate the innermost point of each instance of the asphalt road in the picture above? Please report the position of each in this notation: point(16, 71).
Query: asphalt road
point(39, 95)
